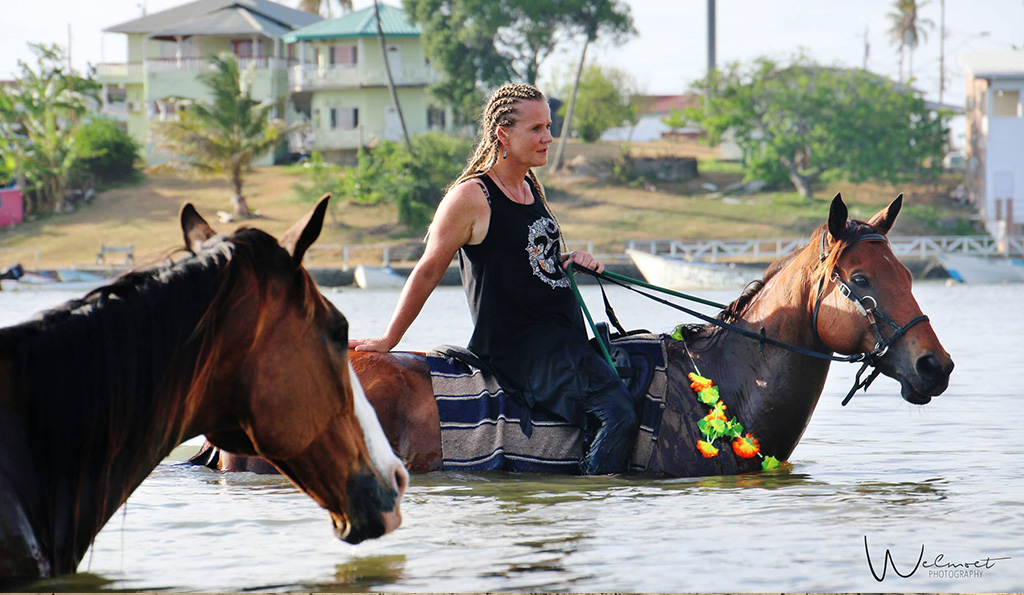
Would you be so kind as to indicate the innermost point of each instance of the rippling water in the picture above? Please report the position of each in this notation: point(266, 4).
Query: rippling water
point(945, 476)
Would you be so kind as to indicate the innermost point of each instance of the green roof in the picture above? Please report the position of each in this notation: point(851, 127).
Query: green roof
point(361, 23)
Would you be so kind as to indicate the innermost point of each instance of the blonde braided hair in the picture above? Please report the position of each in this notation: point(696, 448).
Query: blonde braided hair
point(500, 110)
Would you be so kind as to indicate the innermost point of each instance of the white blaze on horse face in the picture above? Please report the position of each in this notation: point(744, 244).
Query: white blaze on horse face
point(383, 458)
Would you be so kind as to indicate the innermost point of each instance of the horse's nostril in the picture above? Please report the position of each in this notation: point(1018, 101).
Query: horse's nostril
point(928, 367)
point(401, 480)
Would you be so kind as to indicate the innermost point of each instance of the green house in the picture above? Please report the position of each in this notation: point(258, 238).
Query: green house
point(168, 49)
point(339, 84)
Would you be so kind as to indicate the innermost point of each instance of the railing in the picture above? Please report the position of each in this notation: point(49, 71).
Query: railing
point(125, 69)
point(764, 250)
point(311, 76)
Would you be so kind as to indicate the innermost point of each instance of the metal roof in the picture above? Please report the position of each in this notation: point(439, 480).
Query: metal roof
point(989, 65)
point(173, 18)
point(361, 23)
point(230, 21)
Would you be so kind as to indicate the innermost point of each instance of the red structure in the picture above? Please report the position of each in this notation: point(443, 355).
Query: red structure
point(10, 207)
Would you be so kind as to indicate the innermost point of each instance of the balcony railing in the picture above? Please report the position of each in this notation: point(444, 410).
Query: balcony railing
point(305, 141)
point(310, 76)
point(185, 64)
point(125, 69)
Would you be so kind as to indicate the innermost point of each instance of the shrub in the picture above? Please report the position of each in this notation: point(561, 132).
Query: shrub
point(416, 183)
point(105, 151)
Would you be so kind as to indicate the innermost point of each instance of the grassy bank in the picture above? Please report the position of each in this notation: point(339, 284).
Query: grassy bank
point(589, 208)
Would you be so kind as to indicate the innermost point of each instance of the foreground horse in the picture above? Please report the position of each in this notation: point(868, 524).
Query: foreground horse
point(831, 296)
point(233, 341)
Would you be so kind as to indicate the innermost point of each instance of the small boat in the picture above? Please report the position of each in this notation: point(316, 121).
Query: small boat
point(983, 269)
point(368, 277)
point(676, 273)
point(57, 280)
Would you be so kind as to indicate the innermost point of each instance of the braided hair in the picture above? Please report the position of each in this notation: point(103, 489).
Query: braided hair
point(500, 110)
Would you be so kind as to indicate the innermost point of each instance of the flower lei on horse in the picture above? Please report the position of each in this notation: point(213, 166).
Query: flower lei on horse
point(716, 424)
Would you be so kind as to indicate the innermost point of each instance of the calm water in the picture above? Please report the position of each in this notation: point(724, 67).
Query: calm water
point(946, 476)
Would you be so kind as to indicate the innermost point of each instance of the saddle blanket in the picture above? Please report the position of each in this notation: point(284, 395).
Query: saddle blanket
point(480, 424)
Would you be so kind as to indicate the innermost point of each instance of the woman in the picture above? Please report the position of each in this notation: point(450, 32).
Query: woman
point(527, 324)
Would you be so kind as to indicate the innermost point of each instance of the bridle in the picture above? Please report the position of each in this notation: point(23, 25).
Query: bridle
point(868, 307)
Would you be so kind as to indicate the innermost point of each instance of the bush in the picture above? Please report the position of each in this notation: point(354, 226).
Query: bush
point(321, 178)
point(105, 151)
point(416, 183)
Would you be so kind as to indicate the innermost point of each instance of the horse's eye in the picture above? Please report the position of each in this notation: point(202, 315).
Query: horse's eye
point(861, 281)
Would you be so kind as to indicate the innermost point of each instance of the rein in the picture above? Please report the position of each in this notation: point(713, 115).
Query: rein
point(873, 313)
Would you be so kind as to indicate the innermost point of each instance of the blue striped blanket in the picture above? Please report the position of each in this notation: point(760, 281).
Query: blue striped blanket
point(480, 424)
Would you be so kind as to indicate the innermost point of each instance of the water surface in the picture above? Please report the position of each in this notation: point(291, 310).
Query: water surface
point(945, 476)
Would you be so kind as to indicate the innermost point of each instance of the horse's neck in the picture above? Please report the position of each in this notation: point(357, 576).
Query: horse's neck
point(91, 449)
point(772, 391)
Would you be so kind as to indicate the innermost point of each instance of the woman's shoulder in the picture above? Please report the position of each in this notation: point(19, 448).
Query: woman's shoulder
point(472, 189)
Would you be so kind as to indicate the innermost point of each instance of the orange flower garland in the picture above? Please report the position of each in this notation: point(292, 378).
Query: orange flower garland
point(716, 424)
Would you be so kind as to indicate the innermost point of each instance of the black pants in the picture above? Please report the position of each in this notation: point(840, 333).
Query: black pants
point(559, 371)
point(613, 423)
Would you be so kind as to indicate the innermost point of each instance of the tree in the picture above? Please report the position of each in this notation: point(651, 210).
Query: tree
point(907, 30)
point(106, 151)
point(315, 6)
point(603, 102)
point(804, 120)
point(590, 19)
point(479, 44)
point(39, 116)
point(223, 137)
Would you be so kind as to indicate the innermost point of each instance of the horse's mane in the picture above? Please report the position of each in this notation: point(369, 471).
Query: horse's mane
point(88, 371)
point(734, 311)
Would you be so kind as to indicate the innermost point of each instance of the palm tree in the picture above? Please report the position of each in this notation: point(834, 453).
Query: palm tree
point(907, 29)
point(222, 137)
point(314, 6)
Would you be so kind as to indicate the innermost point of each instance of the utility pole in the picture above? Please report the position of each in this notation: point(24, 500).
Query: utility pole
point(942, 49)
point(867, 48)
point(391, 80)
point(711, 37)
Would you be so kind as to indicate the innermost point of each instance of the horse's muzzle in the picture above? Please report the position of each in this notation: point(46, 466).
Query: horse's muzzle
point(930, 378)
point(374, 508)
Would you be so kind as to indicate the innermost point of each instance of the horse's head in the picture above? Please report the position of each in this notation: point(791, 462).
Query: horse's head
point(864, 304)
point(276, 361)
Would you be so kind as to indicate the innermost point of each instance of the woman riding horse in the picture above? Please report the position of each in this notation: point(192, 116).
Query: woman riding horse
point(527, 326)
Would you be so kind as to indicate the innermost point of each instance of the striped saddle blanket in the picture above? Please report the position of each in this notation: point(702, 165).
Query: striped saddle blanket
point(481, 426)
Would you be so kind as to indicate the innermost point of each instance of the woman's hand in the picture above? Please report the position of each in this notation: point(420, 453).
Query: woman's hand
point(378, 344)
point(583, 259)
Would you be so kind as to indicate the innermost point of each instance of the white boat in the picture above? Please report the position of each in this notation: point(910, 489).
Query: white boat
point(675, 273)
point(369, 277)
point(983, 269)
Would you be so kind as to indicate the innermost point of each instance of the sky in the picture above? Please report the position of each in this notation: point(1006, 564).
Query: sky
point(669, 52)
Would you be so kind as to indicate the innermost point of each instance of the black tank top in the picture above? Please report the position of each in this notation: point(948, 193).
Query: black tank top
point(520, 298)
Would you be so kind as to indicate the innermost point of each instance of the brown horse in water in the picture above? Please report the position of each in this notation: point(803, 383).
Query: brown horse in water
point(233, 341)
point(803, 300)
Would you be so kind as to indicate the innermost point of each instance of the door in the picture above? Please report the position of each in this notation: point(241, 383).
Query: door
point(392, 125)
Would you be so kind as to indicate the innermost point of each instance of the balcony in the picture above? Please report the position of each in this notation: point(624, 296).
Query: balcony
point(121, 74)
point(305, 141)
point(134, 72)
point(311, 77)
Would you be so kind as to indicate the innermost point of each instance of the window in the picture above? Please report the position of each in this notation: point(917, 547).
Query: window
point(344, 55)
point(344, 118)
point(1006, 103)
point(435, 118)
point(242, 48)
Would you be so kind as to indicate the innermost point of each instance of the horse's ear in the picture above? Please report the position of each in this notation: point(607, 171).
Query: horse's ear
point(305, 231)
point(837, 215)
point(883, 220)
point(195, 229)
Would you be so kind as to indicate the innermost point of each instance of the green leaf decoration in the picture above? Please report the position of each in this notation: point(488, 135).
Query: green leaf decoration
point(733, 428)
point(769, 463)
point(708, 396)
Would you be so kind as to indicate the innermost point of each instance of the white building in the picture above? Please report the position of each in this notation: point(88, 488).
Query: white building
point(995, 138)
